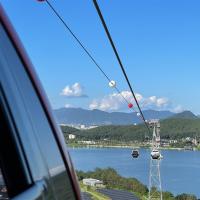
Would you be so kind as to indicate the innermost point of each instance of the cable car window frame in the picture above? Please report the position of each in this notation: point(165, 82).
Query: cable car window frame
point(12, 153)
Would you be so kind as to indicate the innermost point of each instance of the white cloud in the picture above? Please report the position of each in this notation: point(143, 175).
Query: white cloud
point(115, 101)
point(109, 102)
point(75, 90)
point(162, 102)
point(68, 105)
point(154, 101)
point(178, 109)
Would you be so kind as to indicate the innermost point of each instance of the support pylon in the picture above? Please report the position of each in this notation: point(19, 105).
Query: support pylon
point(155, 187)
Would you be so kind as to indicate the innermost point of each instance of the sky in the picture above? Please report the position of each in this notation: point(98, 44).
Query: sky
point(158, 42)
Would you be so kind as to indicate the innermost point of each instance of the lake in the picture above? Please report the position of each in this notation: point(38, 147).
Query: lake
point(180, 170)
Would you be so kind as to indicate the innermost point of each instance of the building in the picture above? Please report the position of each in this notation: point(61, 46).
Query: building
point(88, 142)
point(80, 126)
point(194, 141)
point(72, 136)
point(93, 182)
point(84, 127)
point(173, 141)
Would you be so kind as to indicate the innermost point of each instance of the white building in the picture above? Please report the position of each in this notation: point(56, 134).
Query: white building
point(92, 182)
point(188, 139)
point(63, 124)
point(72, 136)
point(84, 127)
point(88, 142)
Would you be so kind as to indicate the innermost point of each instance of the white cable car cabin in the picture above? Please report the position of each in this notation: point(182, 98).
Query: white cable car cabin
point(155, 154)
point(135, 153)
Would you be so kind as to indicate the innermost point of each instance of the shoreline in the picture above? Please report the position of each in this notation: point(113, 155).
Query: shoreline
point(126, 147)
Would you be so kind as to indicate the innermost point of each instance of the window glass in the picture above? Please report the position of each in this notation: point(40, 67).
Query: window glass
point(13, 163)
point(8, 58)
point(30, 116)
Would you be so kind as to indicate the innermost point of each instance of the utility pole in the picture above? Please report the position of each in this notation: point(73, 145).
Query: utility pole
point(155, 187)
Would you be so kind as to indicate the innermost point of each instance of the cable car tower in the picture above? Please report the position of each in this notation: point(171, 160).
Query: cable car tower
point(155, 187)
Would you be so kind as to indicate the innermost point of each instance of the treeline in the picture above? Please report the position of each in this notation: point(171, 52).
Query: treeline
point(170, 129)
point(112, 180)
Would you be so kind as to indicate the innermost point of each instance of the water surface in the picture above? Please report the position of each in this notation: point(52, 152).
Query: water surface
point(180, 170)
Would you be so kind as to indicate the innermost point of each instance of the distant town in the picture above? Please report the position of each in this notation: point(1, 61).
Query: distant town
point(80, 126)
point(74, 139)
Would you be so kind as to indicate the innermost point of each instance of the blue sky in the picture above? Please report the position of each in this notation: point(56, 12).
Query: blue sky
point(158, 41)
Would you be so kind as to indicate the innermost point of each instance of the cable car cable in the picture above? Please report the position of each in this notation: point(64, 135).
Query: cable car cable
point(119, 60)
point(84, 48)
point(75, 37)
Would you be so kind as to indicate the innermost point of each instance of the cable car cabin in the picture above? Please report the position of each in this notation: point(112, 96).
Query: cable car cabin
point(135, 153)
point(155, 154)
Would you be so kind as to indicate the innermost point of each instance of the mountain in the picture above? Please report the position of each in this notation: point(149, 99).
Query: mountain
point(185, 115)
point(98, 117)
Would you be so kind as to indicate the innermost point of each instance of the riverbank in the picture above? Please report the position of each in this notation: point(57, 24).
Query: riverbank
point(130, 187)
point(72, 145)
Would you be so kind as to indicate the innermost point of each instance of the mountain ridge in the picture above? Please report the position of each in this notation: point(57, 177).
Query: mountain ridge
point(98, 117)
point(185, 115)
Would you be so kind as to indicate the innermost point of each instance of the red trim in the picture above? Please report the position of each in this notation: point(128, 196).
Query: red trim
point(43, 99)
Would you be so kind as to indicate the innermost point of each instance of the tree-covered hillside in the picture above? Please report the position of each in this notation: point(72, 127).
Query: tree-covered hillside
point(112, 180)
point(100, 118)
point(173, 128)
point(180, 128)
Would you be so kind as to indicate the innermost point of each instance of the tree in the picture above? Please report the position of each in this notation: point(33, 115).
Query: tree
point(186, 197)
